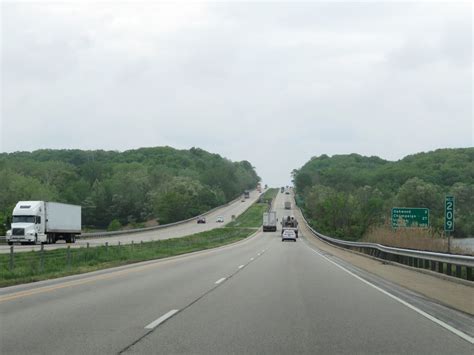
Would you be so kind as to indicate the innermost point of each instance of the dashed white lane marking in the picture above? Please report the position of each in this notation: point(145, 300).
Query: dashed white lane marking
point(241, 266)
point(220, 280)
point(258, 254)
point(417, 310)
point(160, 320)
point(251, 259)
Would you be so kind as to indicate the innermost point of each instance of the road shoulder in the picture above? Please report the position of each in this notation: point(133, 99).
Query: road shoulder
point(449, 293)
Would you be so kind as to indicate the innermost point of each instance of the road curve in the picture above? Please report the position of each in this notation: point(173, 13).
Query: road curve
point(176, 231)
point(257, 296)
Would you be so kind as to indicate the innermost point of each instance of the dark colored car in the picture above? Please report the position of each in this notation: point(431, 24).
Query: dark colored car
point(201, 219)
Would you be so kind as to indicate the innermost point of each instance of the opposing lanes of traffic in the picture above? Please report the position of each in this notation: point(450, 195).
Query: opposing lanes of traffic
point(176, 231)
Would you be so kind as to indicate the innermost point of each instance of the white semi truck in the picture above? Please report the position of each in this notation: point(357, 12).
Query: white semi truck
point(44, 222)
point(269, 221)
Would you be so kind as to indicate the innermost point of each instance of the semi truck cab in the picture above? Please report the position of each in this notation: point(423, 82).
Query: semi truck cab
point(28, 222)
point(44, 222)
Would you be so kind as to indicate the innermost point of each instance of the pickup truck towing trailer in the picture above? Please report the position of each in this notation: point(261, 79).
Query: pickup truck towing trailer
point(289, 223)
point(269, 221)
point(44, 222)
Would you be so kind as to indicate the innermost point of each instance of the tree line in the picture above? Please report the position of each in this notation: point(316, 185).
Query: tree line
point(128, 187)
point(344, 195)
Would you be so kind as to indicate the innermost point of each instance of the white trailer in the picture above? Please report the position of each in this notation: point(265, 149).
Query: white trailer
point(269, 221)
point(44, 222)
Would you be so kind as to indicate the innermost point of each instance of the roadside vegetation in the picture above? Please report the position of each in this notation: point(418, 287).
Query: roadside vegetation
point(351, 196)
point(41, 265)
point(128, 188)
point(412, 238)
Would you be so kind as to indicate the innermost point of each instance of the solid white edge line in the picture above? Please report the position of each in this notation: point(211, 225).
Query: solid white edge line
point(160, 320)
point(220, 280)
point(419, 311)
point(241, 266)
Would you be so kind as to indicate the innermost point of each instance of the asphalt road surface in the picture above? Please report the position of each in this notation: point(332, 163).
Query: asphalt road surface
point(259, 296)
point(175, 231)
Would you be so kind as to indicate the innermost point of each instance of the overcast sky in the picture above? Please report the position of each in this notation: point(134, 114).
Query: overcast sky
point(272, 83)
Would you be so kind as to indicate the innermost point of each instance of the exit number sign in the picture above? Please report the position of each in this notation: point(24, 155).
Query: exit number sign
point(449, 214)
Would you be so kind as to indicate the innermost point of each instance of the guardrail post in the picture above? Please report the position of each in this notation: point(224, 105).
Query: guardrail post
point(469, 273)
point(458, 271)
point(42, 258)
point(448, 269)
point(441, 267)
point(107, 247)
point(426, 264)
point(433, 265)
point(68, 256)
point(11, 264)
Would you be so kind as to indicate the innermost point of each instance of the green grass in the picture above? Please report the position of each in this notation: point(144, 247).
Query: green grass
point(251, 218)
point(270, 194)
point(36, 266)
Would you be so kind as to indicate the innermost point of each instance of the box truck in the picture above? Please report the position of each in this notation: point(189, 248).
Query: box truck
point(44, 222)
point(269, 221)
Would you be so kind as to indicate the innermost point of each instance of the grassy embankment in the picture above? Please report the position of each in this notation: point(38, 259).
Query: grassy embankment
point(36, 265)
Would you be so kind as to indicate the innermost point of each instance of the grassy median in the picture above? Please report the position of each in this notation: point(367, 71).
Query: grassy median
point(41, 265)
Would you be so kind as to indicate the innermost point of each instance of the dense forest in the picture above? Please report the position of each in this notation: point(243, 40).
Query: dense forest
point(345, 195)
point(128, 187)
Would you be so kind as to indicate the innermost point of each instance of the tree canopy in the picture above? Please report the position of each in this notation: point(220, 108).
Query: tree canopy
point(344, 195)
point(130, 187)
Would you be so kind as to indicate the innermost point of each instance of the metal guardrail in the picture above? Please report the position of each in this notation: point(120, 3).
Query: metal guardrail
point(146, 229)
point(460, 266)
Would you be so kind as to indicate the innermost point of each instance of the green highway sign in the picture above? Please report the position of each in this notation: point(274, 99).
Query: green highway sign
point(449, 214)
point(410, 217)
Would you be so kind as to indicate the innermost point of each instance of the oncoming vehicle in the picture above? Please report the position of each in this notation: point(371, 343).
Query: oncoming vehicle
point(201, 219)
point(288, 235)
point(220, 219)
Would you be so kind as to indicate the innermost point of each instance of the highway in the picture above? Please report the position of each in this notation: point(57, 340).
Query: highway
point(180, 230)
point(258, 296)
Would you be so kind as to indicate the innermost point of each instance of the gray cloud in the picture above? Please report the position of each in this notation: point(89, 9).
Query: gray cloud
point(273, 83)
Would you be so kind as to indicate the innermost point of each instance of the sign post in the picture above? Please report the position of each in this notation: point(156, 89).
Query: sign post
point(410, 217)
point(449, 218)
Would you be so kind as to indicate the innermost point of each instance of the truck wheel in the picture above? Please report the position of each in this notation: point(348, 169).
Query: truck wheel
point(10, 243)
point(73, 239)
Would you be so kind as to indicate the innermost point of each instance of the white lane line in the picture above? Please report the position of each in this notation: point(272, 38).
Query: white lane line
point(160, 320)
point(417, 310)
point(258, 254)
point(241, 266)
point(251, 259)
point(219, 281)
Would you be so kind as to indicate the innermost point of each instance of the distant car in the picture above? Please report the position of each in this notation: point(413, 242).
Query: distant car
point(287, 192)
point(201, 219)
point(288, 235)
point(220, 219)
point(243, 200)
